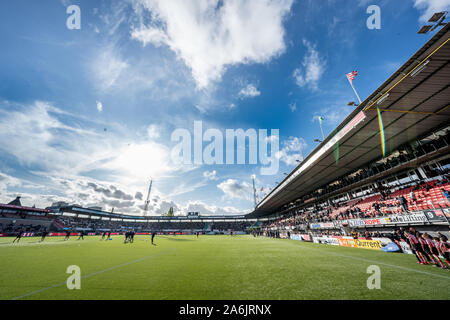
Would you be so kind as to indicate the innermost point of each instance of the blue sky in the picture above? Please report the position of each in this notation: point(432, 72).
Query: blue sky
point(86, 116)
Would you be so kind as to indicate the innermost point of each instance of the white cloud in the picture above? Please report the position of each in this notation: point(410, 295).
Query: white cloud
point(429, 7)
point(234, 189)
point(292, 151)
point(107, 67)
point(7, 181)
point(153, 131)
point(209, 35)
point(38, 138)
point(99, 106)
point(313, 68)
point(204, 209)
point(293, 107)
point(210, 175)
point(249, 91)
point(161, 207)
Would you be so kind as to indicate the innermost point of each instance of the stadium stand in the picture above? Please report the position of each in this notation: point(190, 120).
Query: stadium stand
point(15, 218)
point(353, 184)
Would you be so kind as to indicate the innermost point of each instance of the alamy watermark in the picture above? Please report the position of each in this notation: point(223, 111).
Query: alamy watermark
point(374, 20)
point(212, 147)
point(73, 22)
point(74, 280)
point(374, 281)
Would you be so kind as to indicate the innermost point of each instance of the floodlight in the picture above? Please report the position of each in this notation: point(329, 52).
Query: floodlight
point(438, 20)
point(420, 69)
point(424, 29)
point(383, 99)
point(438, 16)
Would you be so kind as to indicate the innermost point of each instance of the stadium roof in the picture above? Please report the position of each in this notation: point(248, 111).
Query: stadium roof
point(414, 101)
point(99, 213)
point(21, 208)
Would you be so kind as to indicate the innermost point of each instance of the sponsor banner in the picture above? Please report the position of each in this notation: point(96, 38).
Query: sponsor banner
point(356, 223)
point(363, 244)
point(341, 223)
point(405, 247)
point(406, 218)
point(375, 221)
point(28, 234)
point(384, 241)
point(3, 235)
point(326, 240)
point(62, 234)
point(391, 247)
point(73, 234)
point(323, 225)
point(301, 237)
point(392, 219)
point(435, 215)
point(374, 244)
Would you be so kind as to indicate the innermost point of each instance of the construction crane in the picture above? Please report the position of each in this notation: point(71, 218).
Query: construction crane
point(147, 202)
point(254, 191)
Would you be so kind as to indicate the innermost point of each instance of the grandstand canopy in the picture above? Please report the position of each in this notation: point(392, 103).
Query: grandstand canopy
point(414, 102)
point(76, 211)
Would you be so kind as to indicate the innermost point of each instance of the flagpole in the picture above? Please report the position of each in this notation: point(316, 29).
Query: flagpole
point(321, 129)
point(380, 121)
point(356, 92)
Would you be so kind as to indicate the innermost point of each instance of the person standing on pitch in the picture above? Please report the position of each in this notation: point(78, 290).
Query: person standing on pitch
point(18, 236)
point(67, 235)
point(153, 237)
point(44, 234)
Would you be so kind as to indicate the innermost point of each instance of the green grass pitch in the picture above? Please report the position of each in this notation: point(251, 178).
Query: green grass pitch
point(210, 268)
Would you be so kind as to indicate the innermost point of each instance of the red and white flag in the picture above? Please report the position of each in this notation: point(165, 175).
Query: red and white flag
point(352, 75)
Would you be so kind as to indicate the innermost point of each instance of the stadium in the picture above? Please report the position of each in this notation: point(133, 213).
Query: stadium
point(372, 199)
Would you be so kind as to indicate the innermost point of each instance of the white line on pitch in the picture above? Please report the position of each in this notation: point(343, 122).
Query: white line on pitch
point(93, 274)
